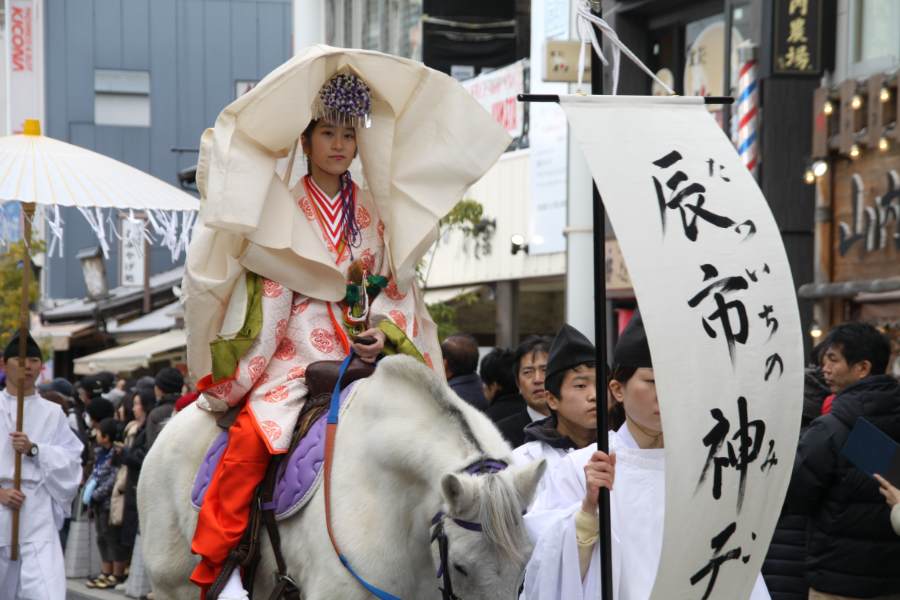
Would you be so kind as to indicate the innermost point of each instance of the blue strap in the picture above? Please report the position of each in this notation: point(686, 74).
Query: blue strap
point(378, 593)
point(333, 412)
point(335, 407)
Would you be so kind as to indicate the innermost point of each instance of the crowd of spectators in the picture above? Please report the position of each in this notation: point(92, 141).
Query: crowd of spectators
point(118, 420)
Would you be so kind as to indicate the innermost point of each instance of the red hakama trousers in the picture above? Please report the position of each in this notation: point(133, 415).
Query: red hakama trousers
point(225, 512)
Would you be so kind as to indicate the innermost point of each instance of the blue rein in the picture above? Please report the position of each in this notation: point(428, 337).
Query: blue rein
point(333, 415)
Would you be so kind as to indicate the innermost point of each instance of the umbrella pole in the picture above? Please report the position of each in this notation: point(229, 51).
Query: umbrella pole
point(27, 214)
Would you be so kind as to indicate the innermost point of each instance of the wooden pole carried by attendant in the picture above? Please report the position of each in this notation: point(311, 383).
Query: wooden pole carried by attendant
point(27, 215)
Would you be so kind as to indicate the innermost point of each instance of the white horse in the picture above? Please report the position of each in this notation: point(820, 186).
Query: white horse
point(401, 449)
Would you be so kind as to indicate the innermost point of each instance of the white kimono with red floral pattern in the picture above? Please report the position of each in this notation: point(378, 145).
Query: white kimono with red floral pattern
point(298, 330)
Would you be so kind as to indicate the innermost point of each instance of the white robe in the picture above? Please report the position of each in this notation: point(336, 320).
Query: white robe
point(49, 482)
point(637, 510)
point(529, 452)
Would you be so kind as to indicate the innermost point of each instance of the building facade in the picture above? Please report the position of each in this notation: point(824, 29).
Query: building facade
point(854, 170)
point(139, 81)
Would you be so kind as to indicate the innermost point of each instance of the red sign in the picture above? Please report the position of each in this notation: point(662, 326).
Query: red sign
point(21, 38)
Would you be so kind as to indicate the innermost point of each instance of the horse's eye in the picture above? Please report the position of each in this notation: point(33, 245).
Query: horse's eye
point(461, 570)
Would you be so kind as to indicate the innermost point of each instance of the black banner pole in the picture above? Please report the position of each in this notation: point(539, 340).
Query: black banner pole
point(604, 538)
point(555, 98)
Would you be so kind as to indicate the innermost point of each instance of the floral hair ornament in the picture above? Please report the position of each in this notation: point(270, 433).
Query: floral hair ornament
point(344, 100)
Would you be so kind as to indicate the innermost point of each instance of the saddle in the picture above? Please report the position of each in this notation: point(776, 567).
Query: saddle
point(321, 379)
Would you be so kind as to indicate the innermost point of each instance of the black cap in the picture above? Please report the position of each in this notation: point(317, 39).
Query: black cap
point(569, 349)
point(59, 385)
point(632, 349)
point(169, 380)
point(93, 386)
point(32, 350)
point(108, 379)
point(145, 382)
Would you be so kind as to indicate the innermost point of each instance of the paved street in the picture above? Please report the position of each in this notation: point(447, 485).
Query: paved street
point(75, 590)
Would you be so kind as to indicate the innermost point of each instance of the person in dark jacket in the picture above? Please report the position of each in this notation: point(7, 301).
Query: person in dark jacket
point(851, 550)
point(785, 566)
point(571, 383)
point(530, 369)
point(460, 362)
point(497, 375)
point(100, 485)
point(167, 387)
point(132, 456)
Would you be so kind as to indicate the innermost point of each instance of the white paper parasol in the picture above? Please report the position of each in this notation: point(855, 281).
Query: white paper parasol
point(42, 170)
point(38, 170)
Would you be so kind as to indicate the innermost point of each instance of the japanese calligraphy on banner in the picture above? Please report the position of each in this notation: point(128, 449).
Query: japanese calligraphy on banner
point(24, 57)
point(131, 251)
point(497, 91)
point(797, 37)
point(713, 283)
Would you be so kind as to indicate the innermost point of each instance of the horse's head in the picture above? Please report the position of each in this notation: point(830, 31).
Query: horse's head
point(479, 544)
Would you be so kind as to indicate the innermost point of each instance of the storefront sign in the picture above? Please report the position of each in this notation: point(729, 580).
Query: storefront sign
point(131, 251)
point(24, 62)
point(498, 92)
point(797, 37)
point(867, 218)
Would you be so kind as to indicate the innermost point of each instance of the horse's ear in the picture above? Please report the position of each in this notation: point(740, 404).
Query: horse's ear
point(460, 493)
point(526, 479)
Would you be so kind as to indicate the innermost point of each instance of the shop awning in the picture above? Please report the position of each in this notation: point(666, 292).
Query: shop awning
point(61, 334)
point(436, 296)
point(132, 356)
point(161, 319)
point(848, 289)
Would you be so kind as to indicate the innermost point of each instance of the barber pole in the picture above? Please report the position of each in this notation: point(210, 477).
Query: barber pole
point(746, 115)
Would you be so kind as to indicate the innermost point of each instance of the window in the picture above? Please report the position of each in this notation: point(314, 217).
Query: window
point(122, 98)
point(392, 26)
point(874, 43)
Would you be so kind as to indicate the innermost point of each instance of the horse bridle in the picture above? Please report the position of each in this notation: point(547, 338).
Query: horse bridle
point(481, 466)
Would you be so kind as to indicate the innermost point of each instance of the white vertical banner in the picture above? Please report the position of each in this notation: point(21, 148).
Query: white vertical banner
point(24, 64)
point(548, 135)
point(132, 247)
point(714, 286)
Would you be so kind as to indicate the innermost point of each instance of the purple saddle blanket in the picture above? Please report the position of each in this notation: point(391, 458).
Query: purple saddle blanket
point(299, 474)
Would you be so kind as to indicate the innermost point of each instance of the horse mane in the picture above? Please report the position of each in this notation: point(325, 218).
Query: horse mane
point(499, 504)
point(500, 514)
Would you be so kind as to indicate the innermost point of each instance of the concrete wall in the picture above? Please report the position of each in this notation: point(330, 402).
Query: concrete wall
point(194, 50)
point(505, 194)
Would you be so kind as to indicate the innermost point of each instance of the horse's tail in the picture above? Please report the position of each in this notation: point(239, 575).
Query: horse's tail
point(500, 514)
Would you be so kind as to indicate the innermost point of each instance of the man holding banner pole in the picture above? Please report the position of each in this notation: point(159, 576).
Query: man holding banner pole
point(691, 517)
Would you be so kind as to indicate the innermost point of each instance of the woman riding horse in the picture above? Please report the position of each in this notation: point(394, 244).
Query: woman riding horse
point(278, 315)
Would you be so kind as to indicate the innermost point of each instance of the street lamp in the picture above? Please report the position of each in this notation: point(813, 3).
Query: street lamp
point(94, 269)
point(518, 244)
point(815, 331)
point(820, 167)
